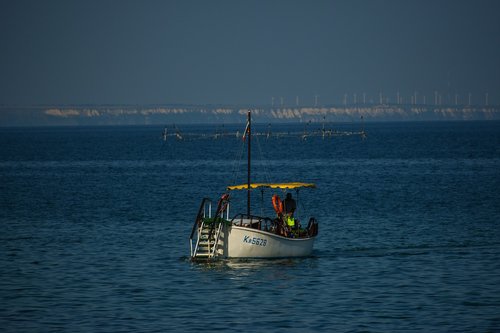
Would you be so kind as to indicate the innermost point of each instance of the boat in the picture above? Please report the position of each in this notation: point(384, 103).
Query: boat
point(217, 235)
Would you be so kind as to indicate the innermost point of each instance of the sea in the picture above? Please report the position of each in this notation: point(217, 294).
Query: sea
point(95, 225)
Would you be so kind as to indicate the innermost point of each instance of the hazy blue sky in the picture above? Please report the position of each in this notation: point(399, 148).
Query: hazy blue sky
point(142, 52)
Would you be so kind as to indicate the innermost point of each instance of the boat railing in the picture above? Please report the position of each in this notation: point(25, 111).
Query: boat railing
point(222, 209)
point(277, 225)
point(204, 211)
point(312, 227)
point(252, 221)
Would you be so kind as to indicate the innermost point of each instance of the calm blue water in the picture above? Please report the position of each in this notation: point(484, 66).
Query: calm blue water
point(95, 225)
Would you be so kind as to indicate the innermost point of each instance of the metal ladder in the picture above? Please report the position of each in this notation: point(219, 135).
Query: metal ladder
point(209, 241)
point(209, 232)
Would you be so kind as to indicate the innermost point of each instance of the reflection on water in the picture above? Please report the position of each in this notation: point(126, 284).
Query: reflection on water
point(247, 266)
point(281, 271)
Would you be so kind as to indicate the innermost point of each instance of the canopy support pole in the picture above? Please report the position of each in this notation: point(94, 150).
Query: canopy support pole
point(249, 135)
point(297, 195)
point(261, 202)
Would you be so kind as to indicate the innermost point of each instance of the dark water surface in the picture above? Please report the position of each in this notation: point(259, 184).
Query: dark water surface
point(95, 225)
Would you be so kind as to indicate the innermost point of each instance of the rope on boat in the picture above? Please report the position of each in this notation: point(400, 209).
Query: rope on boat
point(263, 158)
point(236, 164)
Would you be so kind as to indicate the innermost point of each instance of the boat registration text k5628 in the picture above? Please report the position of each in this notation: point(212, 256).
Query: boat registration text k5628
point(254, 241)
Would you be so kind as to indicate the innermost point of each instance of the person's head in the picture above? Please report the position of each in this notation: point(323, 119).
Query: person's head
point(289, 195)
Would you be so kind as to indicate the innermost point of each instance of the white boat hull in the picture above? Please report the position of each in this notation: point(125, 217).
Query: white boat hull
point(243, 242)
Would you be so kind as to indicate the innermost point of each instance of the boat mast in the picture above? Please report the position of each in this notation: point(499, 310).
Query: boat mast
point(249, 134)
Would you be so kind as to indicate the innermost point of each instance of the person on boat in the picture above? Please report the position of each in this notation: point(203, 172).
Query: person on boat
point(289, 207)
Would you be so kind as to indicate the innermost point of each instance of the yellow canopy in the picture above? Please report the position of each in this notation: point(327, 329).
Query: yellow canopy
point(293, 185)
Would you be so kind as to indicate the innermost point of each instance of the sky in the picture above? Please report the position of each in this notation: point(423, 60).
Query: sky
point(246, 52)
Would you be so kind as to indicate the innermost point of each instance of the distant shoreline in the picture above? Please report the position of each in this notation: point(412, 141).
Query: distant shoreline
point(110, 115)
